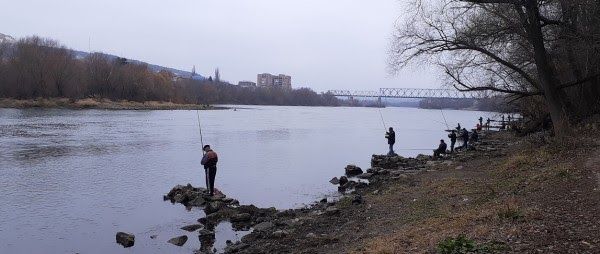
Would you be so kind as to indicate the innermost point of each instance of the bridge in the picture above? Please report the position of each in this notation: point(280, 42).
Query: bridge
point(413, 93)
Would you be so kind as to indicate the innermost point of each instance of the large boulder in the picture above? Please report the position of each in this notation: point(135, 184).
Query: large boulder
point(213, 207)
point(241, 217)
point(343, 180)
point(125, 239)
point(205, 235)
point(352, 170)
point(179, 241)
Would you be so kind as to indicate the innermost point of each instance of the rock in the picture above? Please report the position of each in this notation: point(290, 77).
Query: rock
point(311, 235)
point(459, 168)
point(357, 199)
point(352, 170)
point(178, 198)
point(236, 247)
point(324, 200)
point(192, 228)
point(198, 201)
point(263, 226)
point(125, 239)
point(343, 180)
point(179, 241)
point(334, 181)
point(153, 236)
point(332, 211)
point(240, 217)
point(205, 235)
point(365, 176)
point(279, 234)
point(213, 207)
point(203, 220)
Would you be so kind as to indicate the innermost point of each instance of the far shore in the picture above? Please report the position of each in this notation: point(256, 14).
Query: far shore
point(91, 103)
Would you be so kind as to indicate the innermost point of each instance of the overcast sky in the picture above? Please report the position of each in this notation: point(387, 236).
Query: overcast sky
point(322, 44)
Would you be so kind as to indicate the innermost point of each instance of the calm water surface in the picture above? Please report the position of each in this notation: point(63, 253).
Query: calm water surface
point(70, 179)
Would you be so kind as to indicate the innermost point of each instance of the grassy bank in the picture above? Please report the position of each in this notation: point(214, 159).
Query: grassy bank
point(90, 103)
point(513, 195)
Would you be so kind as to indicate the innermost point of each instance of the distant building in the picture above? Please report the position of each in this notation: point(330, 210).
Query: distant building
point(268, 80)
point(246, 84)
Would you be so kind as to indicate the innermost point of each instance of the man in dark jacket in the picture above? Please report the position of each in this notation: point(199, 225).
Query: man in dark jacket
point(441, 149)
point(209, 161)
point(465, 137)
point(452, 137)
point(391, 137)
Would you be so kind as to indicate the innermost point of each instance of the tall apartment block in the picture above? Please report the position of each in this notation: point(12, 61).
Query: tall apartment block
point(268, 80)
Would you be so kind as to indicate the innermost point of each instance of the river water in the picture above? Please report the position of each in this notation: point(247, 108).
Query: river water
point(70, 179)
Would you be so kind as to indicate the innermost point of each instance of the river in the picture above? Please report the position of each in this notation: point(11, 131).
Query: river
point(72, 178)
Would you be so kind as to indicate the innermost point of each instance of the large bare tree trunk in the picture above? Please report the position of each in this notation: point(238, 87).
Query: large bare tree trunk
point(546, 74)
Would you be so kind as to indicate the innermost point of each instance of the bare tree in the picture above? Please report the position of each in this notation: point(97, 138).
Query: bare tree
point(494, 45)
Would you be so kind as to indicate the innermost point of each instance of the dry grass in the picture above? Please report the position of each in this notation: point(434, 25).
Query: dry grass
point(95, 103)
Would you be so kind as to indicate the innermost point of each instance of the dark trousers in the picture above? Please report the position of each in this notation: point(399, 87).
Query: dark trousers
point(391, 152)
point(452, 143)
point(211, 173)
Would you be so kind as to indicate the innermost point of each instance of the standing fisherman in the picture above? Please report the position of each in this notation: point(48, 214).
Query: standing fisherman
point(458, 127)
point(391, 137)
point(209, 160)
point(481, 121)
point(452, 137)
point(465, 137)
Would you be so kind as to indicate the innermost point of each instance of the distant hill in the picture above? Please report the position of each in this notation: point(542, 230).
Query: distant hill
point(6, 38)
point(153, 67)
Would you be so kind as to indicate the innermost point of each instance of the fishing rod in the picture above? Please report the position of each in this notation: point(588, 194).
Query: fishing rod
point(200, 128)
point(382, 121)
point(202, 143)
point(447, 127)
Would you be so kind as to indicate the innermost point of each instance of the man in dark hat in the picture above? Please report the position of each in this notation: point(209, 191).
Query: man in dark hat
point(209, 161)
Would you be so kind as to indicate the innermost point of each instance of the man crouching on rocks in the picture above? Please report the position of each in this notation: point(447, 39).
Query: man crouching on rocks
point(209, 160)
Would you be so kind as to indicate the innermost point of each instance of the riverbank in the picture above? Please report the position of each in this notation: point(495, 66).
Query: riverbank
point(90, 103)
point(511, 195)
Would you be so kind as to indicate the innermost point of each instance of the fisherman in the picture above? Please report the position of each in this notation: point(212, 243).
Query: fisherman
point(458, 127)
point(452, 137)
point(209, 160)
point(440, 150)
point(481, 121)
point(487, 125)
point(391, 137)
point(465, 137)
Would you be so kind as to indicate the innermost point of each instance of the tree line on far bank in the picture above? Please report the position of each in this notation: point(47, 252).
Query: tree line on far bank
point(37, 67)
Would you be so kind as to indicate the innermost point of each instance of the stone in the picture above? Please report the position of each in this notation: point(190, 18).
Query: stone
point(234, 248)
point(192, 228)
point(365, 176)
point(179, 241)
point(279, 234)
point(153, 236)
point(324, 200)
point(213, 207)
point(240, 217)
point(352, 170)
point(343, 180)
point(334, 181)
point(125, 239)
point(205, 235)
point(459, 168)
point(263, 226)
point(203, 220)
point(198, 201)
point(357, 199)
point(332, 211)
point(311, 235)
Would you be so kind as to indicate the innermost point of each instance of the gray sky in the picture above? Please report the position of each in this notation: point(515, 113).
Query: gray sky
point(322, 44)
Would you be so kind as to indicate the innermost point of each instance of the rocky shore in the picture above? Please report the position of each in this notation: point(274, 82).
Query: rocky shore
point(422, 205)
